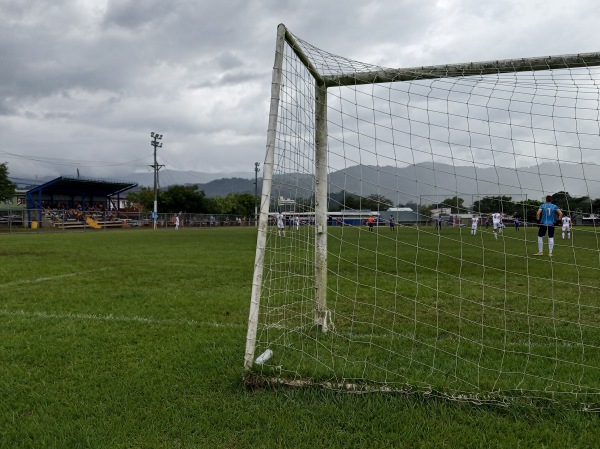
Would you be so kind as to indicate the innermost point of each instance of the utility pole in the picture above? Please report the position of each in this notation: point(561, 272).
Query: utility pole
point(256, 170)
point(155, 138)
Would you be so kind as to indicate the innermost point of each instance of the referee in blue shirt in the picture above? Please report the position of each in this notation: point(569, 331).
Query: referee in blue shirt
point(545, 217)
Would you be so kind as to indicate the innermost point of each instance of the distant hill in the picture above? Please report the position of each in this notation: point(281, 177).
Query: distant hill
point(225, 186)
point(433, 182)
point(425, 182)
point(428, 182)
point(172, 177)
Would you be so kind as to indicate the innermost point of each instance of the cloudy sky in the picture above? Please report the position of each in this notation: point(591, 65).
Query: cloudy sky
point(84, 82)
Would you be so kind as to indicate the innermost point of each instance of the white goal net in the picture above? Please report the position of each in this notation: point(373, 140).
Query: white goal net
point(398, 237)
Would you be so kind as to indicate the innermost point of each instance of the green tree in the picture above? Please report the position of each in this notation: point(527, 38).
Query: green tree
point(7, 188)
point(177, 198)
point(337, 202)
point(351, 202)
point(245, 203)
point(308, 203)
point(562, 199)
point(344, 200)
point(425, 211)
point(223, 205)
point(527, 209)
point(491, 204)
point(144, 197)
point(376, 202)
point(596, 206)
point(234, 203)
point(581, 205)
point(455, 203)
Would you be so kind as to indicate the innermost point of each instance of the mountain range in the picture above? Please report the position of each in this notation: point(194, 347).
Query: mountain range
point(424, 182)
point(431, 182)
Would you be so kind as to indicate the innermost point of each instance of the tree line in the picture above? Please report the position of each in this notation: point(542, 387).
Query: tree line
point(188, 198)
point(7, 187)
point(179, 198)
point(523, 209)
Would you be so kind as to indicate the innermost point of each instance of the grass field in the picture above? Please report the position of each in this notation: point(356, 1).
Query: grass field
point(454, 313)
point(135, 339)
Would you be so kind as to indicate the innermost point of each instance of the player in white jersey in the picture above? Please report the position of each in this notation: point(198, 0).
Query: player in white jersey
point(497, 223)
point(474, 224)
point(280, 224)
point(567, 224)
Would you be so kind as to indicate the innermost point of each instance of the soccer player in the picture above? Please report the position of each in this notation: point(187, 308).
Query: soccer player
point(391, 222)
point(497, 223)
point(370, 223)
point(280, 224)
point(567, 224)
point(517, 224)
point(545, 216)
point(474, 223)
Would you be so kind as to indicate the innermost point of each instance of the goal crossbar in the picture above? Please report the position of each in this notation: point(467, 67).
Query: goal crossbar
point(387, 75)
point(466, 69)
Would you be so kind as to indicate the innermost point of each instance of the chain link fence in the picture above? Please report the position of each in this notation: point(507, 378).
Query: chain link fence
point(20, 220)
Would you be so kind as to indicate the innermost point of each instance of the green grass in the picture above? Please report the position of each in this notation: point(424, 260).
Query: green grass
point(453, 313)
point(135, 339)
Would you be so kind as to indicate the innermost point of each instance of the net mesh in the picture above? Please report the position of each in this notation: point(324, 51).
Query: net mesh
point(422, 301)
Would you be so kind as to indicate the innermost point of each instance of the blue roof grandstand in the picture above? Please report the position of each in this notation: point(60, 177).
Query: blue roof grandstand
point(74, 192)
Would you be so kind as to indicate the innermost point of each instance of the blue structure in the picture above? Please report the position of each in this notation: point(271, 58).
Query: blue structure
point(402, 215)
point(352, 218)
point(72, 192)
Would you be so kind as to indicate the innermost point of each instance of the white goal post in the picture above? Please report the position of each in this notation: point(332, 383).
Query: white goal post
point(401, 305)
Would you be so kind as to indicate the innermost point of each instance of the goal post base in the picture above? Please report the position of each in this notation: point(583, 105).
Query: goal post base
point(324, 321)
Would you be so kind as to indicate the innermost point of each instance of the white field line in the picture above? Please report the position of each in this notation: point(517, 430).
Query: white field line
point(87, 316)
point(51, 278)
point(93, 317)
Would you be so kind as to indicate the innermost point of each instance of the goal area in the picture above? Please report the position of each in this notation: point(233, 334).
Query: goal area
point(381, 264)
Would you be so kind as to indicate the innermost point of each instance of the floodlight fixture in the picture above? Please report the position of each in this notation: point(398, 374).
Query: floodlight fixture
point(155, 138)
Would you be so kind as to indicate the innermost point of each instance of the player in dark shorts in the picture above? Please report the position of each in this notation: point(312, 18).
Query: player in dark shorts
point(545, 216)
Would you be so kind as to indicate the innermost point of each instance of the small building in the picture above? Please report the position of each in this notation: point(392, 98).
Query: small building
point(286, 204)
point(17, 202)
point(435, 213)
point(352, 217)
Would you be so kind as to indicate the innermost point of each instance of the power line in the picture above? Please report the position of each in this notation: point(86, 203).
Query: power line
point(71, 162)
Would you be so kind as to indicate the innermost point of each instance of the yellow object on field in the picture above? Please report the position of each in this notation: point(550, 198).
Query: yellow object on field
point(92, 223)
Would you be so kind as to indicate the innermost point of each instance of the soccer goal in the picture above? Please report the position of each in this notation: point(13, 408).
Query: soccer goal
point(357, 284)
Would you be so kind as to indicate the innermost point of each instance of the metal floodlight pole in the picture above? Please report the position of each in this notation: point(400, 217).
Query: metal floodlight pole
point(256, 170)
point(155, 138)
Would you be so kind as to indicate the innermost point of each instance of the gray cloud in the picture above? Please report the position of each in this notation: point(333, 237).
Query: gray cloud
point(88, 81)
